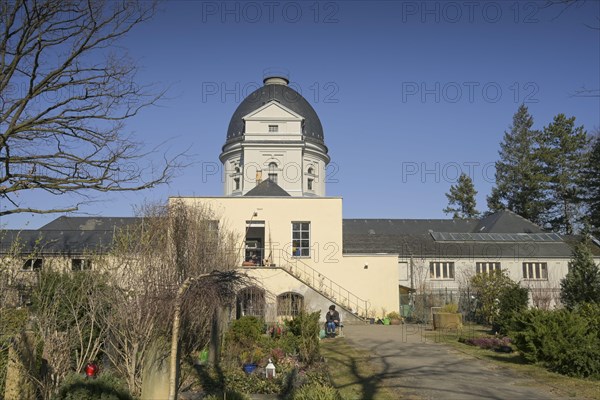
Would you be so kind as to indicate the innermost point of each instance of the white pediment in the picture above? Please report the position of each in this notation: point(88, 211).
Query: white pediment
point(273, 111)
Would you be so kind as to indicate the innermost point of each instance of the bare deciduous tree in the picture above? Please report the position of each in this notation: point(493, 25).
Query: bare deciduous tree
point(66, 90)
point(170, 246)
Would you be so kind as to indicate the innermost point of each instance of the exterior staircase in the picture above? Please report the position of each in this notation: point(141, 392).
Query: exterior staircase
point(325, 286)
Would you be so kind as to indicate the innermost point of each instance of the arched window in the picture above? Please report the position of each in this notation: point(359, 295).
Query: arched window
point(251, 301)
point(236, 179)
point(273, 172)
point(289, 304)
point(311, 171)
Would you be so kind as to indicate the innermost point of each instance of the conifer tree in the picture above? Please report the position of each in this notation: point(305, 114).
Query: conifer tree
point(582, 283)
point(563, 152)
point(519, 179)
point(591, 188)
point(461, 199)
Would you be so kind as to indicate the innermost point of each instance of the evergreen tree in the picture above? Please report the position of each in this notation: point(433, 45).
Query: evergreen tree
point(591, 187)
point(461, 199)
point(563, 152)
point(582, 283)
point(519, 179)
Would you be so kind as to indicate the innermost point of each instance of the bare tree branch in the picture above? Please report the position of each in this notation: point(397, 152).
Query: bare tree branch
point(66, 92)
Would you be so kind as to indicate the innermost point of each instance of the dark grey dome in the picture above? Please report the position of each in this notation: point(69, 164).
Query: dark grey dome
point(287, 97)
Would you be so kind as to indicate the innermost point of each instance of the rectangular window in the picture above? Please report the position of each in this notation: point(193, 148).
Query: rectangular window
point(273, 177)
point(32, 264)
point(273, 128)
point(487, 267)
point(301, 239)
point(80, 264)
point(441, 270)
point(236, 183)
point(309, 184)
point(535, 270)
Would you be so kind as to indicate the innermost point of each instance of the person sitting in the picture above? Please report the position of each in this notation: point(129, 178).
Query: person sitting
point(332, 321)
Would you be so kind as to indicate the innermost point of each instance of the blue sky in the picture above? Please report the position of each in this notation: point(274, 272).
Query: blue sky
point(409, 93)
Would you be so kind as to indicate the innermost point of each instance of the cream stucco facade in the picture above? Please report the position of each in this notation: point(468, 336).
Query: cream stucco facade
point(359, 284)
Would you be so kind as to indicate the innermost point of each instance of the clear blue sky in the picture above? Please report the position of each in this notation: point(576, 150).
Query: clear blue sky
point(408, 92)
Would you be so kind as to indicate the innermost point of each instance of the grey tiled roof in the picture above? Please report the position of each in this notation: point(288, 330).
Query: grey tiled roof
point(66, 235)
point(267, 188)
point(423, 245)
point(410, 237)
point(506, 222)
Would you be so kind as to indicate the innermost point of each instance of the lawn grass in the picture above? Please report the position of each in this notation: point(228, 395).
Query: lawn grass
point(352, 373)
point(564, 385)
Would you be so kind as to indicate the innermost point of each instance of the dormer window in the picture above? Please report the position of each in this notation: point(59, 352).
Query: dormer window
point(273, 128)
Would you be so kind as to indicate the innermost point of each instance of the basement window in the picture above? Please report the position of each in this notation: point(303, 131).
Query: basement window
point(32, 264)
point(80, 264)
point(290, 304)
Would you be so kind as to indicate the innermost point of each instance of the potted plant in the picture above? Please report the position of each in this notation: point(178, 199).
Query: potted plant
point(447, 317)
point(395, 318)
point(250, 359)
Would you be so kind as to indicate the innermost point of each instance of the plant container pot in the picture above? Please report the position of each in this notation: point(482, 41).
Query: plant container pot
point(395, 321)
point(249, 367)
point(386, 321)
point(447, 321)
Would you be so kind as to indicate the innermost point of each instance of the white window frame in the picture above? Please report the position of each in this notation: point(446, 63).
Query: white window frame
point(535, 271)
point(487, 267)
point(298, 250)
point(273, 128)
point(442, 270)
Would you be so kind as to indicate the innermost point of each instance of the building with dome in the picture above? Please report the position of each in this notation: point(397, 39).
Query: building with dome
point(275, 135)
point(303, 254)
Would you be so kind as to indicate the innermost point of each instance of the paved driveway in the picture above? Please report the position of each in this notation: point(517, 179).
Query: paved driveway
point(417, 367)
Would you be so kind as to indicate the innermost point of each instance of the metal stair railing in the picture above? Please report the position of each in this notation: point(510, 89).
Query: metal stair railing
point(323, 285)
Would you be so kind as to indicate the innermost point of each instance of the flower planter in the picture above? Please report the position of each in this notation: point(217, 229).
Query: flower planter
point(447, 321)
point(395, 321)
point(249, 368)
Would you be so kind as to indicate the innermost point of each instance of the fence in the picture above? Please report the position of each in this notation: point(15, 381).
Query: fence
point(421, 304)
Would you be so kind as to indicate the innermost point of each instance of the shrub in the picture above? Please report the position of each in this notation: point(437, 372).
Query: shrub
point(450, 308)
point(490, 343)
point(245, 330)
point(567, 342)
point(512, 300)
point(393, 315)
point(489, 288)
point(236, 380)
point(306, 328)
point(13, 322)
point(105, 387)
point(316, 391)
point(229, 395)
point(582, 283)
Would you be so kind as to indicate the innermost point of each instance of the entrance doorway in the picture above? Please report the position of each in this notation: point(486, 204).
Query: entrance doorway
point(254, 244)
